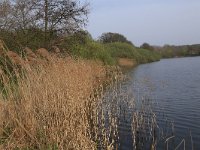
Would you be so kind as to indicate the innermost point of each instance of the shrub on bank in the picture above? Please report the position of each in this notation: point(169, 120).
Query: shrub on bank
point(107, 53)
point(121, 50)
point(124, 50)
point(148, 56)
point(93, 50)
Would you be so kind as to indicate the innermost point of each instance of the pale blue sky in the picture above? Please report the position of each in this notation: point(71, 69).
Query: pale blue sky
point(157, 22)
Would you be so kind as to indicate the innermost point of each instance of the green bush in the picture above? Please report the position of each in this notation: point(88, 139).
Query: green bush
point(148, 56)
point(124, 50)
point(121, 50)
point(86, 47)
point(110, 37)
point(93, 50)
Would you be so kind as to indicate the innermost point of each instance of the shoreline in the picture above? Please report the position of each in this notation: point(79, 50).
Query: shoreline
point(55, 91)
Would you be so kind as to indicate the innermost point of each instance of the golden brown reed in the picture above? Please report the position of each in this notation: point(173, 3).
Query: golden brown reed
point(53, 107)
point(58, 105)
point(55, 49)
point(3, 47)
point(29, 52)
point(43, 53)
point(126, 62)
point(15, 58)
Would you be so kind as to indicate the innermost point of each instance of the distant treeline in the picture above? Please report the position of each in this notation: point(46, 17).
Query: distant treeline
point(169, 51)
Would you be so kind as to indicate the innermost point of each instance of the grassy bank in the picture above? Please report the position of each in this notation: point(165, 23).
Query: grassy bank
point(108, 53)
point(54, 101)
point(55, 106)
point(52, 104)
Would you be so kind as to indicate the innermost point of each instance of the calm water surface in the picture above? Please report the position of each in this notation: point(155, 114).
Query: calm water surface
point(174, 86)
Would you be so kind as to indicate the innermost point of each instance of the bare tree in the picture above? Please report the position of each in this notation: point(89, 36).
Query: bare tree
point(5, 15)
point(46, 4)
point(63, 15)
point(50, 16)
point(24, 14)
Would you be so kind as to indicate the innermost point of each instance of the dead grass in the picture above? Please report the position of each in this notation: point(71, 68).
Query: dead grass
point(125, 62)
point(43, 53)
point(1, 47)
point(53, 106)
point(60, 104)
point(15, 58)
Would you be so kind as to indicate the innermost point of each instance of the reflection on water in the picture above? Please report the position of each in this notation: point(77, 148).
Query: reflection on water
point(137, 124)
point(170, 90)
point(175, 85)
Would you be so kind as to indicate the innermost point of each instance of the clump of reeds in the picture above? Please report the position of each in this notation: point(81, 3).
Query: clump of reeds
point(60, 103)
point(10, 67)
point(54, 106)
point(144, 126)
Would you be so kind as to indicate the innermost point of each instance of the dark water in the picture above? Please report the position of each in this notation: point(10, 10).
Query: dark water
point(174, 87)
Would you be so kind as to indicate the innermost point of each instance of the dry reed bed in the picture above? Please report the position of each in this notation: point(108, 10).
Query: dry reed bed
point(53, 107)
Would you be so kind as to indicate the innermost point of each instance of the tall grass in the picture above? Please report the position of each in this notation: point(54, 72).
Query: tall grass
point(53, 107)
point(52, 104)
point(59, 103)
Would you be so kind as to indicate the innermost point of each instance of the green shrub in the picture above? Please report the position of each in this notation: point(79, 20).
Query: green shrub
point(124, 50)
point(93, 50)
point(121, 50)
point(82, 45)
point(148, 56)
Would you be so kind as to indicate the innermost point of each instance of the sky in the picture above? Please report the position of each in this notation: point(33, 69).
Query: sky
point(157, 22)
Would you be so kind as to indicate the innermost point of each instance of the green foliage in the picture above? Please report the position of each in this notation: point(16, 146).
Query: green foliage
point(10, 39)
point(32, 38)
point(82, 45)
point(113, 37)
point(147, 46)
point(169, 51)
point(93, 50)
point(9, 72)
point(148, 56)
point(79, 44)
point(124, 50)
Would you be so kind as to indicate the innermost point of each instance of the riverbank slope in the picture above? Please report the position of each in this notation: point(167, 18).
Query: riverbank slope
point(49, 101)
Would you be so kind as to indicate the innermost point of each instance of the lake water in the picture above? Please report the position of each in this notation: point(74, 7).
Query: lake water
point(173, 85)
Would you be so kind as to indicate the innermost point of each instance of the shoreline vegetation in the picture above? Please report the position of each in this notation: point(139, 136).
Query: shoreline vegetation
point(53, 76)
point(55, 99)
point(48, 102)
